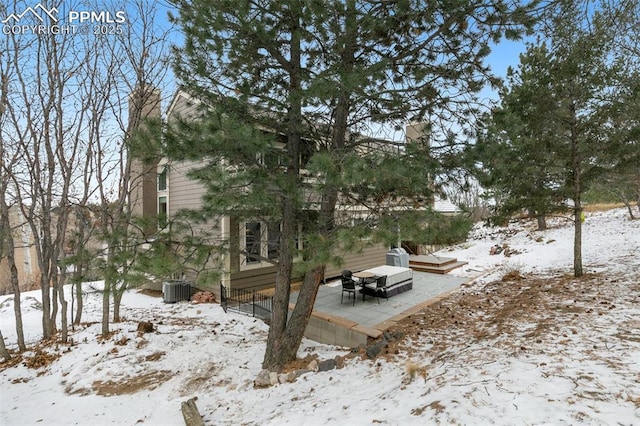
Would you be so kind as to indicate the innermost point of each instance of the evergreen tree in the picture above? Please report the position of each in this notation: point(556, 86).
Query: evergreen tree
point(516, 144)
point(622, 177)
point(317, 74)
point(555, 120)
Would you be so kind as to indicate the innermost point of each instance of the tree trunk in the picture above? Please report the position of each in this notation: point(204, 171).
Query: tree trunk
point(17, 308)
point(3, 349)
point(78, 293)
point(9, 245)
point(577, 243)
point(61, 280)
point(276, 355)
point(300, 317)
point(54, 302)
point(15, 283)
point(576, 165)
point(117, 298)
point(106, 292)
point(45, 289)
point(284, 349)
point(629, 209)
point(79, 269)
point(542, 222)
point(278, 351)
point(64, 322)
point(105, 309)
point(626, 202)
point(191, 414)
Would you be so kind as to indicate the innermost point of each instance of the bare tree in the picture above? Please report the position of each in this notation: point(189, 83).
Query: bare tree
point(7, 244)
point(140, 70)
point(65, 107)
point(47, 122)
point(9, 156)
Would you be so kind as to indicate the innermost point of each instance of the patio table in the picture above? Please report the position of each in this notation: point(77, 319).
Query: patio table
point(365, 277)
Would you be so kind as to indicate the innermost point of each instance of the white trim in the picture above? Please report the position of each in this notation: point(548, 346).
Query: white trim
point(264, 245)
point(165, 192)
point(176, 96)
point(244, 265)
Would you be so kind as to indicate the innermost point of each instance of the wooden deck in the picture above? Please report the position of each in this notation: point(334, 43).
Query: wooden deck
point(434, 264)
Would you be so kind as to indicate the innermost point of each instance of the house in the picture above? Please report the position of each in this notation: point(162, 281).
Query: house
point(25, 251)
point(248, 263)
point(25, 255)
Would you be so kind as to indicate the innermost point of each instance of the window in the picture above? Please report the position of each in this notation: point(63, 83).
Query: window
point(162, 178)
point(253, 241)
point(273, 240)
point(163, 210)
point(262, 243)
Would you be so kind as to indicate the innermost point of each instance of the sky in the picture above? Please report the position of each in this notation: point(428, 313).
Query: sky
point(504, 54)
point(572, 361)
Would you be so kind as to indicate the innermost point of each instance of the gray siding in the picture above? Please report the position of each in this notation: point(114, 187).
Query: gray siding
point(184, 193)
point(263, 278)
point(367, 258)
point(254, 279)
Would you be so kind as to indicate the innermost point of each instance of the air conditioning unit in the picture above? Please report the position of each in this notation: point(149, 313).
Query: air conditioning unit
point(176, 291)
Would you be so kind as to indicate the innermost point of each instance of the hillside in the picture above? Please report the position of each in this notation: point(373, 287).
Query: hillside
point(522, 343)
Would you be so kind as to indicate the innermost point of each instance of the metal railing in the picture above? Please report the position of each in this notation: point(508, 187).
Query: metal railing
point(251, 303)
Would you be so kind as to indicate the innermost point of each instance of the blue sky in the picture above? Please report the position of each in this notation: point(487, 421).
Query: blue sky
point(503, 55)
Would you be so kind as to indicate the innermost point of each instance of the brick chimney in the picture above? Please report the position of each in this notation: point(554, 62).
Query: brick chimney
point(144, 103)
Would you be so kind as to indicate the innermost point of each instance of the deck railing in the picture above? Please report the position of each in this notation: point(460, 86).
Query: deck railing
point(251, 303)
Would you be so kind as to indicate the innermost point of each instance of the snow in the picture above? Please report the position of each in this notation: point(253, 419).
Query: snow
point(581, 368)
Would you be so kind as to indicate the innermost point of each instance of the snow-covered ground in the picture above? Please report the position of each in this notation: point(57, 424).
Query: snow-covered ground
point(546, 349)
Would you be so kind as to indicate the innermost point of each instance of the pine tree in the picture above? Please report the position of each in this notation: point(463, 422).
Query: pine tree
point(558, 113)
point(516, 144)
point(317, 74)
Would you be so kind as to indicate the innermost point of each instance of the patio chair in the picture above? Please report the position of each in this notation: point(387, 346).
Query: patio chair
point(348, 286)
point(380, 288)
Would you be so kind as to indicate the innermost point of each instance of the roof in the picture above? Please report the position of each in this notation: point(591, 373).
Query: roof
point(445, 206)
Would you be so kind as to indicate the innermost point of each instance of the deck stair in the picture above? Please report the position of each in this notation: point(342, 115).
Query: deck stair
point(434, 264)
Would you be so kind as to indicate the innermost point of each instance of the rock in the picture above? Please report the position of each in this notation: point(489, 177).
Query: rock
point(374, 350)
point(398, 335)
point(273, 378)
point(262, 380)
point(288, 377)
point(145, 327)
point(203, 297)
point(313, 366)
point(326, 365)
point(299, 373)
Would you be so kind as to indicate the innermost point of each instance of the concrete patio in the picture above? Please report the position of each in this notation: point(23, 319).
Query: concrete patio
point(344, 324)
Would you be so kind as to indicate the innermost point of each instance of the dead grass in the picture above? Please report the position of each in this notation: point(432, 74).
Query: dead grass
point(129, 385)
point(300, 363)
point(414, 369)
point(150, 292)
point(599, 207)
point(515, 313)
point(40, 359)
point(436, 406)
